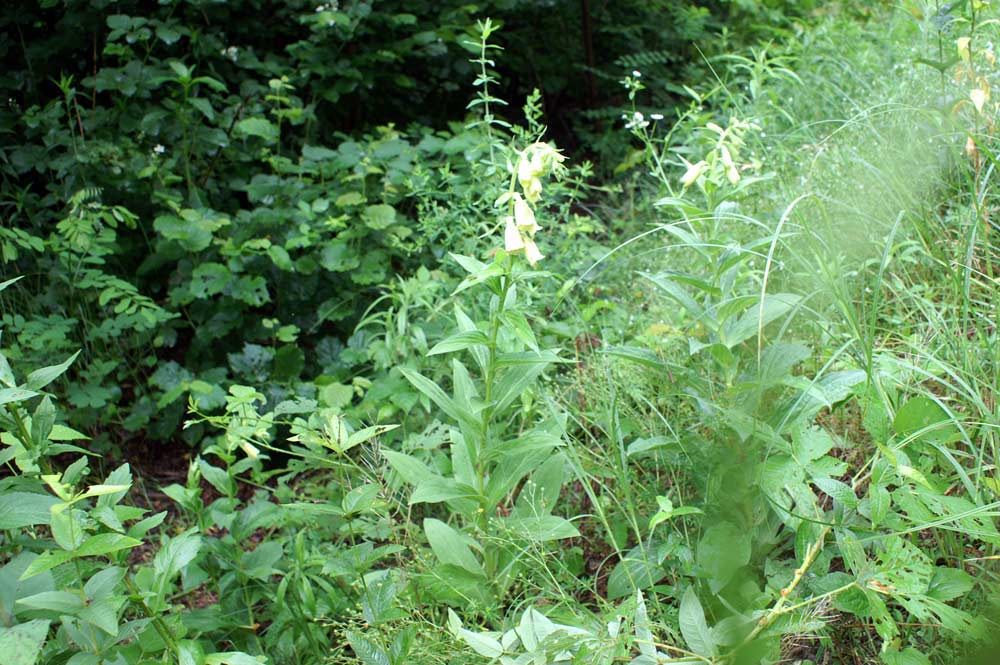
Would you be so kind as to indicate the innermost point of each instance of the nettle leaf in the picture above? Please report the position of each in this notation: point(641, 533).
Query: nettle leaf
point(367, 652)
point(693, 626)
point(840, 492)
point(811, 443)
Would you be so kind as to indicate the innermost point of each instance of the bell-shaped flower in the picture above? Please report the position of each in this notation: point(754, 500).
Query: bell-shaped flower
point(694, 171)
point(732, 173)
point(531, 252)
point(512, 241)
point(524, 216)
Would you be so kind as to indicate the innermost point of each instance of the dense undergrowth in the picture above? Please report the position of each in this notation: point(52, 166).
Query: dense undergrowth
point(298, 368)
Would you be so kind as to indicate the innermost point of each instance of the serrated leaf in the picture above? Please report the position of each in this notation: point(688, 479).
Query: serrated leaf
point(367, 652)
point(840, 492)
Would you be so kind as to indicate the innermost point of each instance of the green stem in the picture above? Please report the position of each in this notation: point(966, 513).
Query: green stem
point(158, 623)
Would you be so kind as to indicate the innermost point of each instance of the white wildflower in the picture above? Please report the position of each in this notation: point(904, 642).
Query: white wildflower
point(638, 120)
point(158, 149)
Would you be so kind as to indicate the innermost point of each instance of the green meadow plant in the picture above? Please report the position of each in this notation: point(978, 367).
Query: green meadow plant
point(505, 472)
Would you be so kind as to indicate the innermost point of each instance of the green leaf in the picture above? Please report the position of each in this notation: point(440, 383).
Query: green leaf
point(436, 490)
point(259, 127)
point(723, 550)
point(949, 583)
point(21, 509)
point(749, 323)
point(46, 561)
point(234, 658)
point(541, 528)
point(63, 602)
point(178, 552)
point(485, 644)
point(924, 419)
point(639, 569)
point(409, 468)
point(908, 656)
point(432, 391)
point(379, 217)
point(450, 547)
point(693, 626)
point(43, 377)
point(840, 492)
point(469, 264)
point(367, 652)
point(519, 325)
point(106, 543)
point(515, 381)
point(4, 284)
point(459, 341)
point(22, 644)
point(637, 355)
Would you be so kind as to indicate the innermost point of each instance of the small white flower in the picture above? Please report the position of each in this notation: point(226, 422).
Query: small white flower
point(638, 120)
point(159, 149)
point(636, 73)
point(656, 116)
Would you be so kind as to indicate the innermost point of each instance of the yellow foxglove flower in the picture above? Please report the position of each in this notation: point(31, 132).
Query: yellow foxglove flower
point(963, 48)
point(250, 449)
point(693, 172)
point(531, 252)
point(512, 237)
point(979, 97)
point(533, 190)
point(525, 217)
